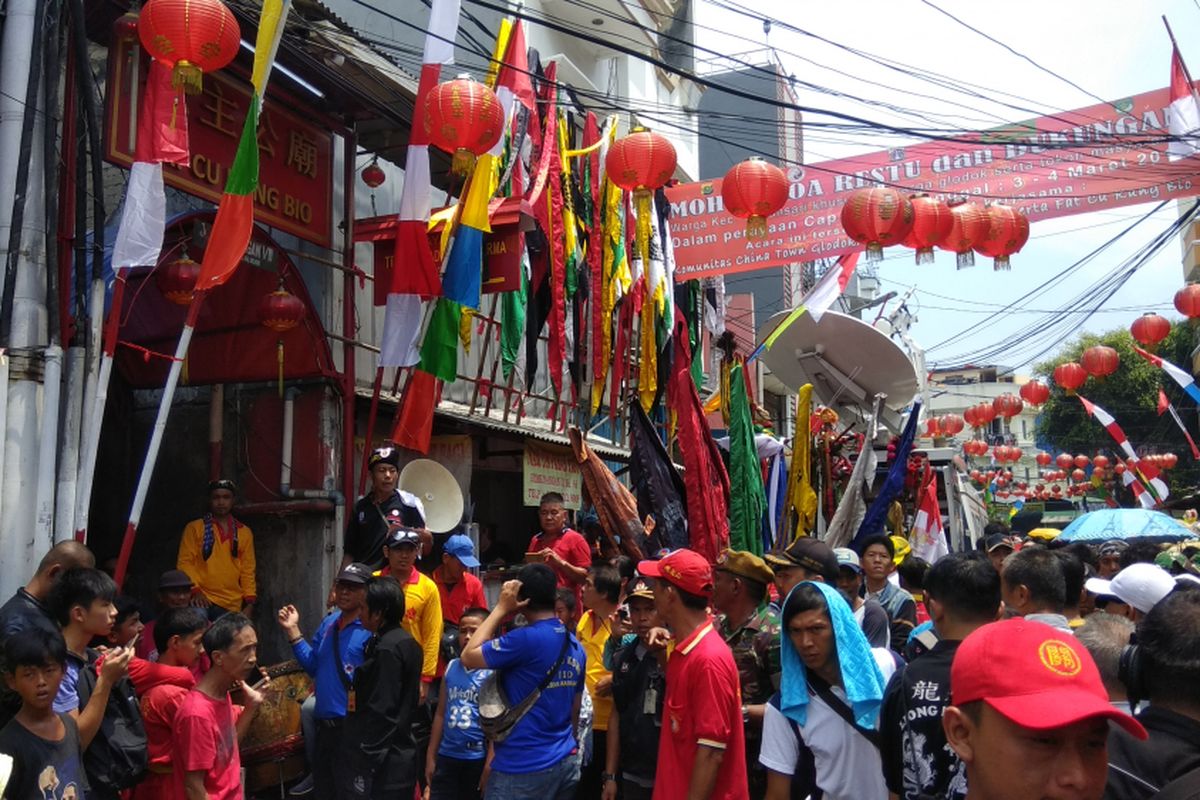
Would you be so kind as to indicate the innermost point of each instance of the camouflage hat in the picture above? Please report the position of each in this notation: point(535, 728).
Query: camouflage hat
point(745, 565)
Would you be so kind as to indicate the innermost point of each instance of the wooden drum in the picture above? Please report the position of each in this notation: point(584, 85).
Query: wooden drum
point(273, 748)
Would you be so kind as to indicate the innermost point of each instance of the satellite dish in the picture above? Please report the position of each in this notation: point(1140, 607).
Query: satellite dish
point(846, 360)
point(437, 490)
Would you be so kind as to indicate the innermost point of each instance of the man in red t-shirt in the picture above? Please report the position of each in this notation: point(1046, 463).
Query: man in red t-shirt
point(701, 750)
point(458, 588)
point(205, 755)
point(562, 549)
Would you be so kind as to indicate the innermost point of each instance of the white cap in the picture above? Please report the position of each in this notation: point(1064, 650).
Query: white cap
point(1138, 585)
point(847, 558)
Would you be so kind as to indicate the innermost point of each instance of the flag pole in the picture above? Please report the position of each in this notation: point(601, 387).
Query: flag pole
point(156, 435)
point(1175, 45)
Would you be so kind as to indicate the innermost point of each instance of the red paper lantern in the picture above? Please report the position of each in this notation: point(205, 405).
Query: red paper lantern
point(1078, 475)
point(464, 118)
point(1100, 462)
point(373, 175)
point(985, 413)
point(971, 226)
point(1008, 231)
point(931, 427)
point(1064, 461)
point(1008, 405)
point(176, 280)
point(1119, 468)
point(1081, 461)
point(1035, 393)
point(1070, 376)
point(1169, 460)
point(950, 424)
point(1056, 489)
point(1149, 330)
point(640, 163)
point(970, 417)
point(977, 476)
point(1043, 459)
point(931, 224)
point(754, 190)
point(878, 218)
point(190, 36)
point(1100, 361)
point(1015, 454)
point(280, 310)
point(1187, 301)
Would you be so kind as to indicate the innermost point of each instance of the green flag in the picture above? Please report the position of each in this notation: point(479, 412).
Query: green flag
point(747, 500)
point(512, 321)
point(439, 350)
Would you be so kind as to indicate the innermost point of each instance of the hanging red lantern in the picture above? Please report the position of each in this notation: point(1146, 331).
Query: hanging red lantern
point(1078, 475)
point(1070, 376)
point(464, 118)
point(1064, 461)
point(1008, 405)
point(191, 37)
point(754, 190)
point(1000, 453)
point(1043, 459)
point(280, 310)
point(1149, 330)
point(1081, 461)
point(971, 225)
point(1035, 393)
point(977, 476)
point(1119, 468)
point(1015, 454)
point(1169, 460)
point(373, 175)
point(641, 163)
point(985, 413)
point(1100, 461)
point(176, 280)
point(931, 428)
point(931, 224)
point(950, 424)
point(1008, 231)
point(1187, 301)
point(1100, 361)
point(969, 417)
point(878, 218)
point(1056, 489)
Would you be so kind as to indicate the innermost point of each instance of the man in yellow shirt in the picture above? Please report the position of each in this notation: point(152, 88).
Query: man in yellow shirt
point(217, 553)
point(601, 591)
point(422, 603)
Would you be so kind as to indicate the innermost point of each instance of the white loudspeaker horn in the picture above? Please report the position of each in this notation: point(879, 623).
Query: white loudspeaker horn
point(438, 491)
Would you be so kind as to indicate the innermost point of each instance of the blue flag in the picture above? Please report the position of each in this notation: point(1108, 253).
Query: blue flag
point(876, 517)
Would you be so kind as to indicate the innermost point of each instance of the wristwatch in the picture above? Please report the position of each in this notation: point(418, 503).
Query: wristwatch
point(605, 777)
point(745, 714)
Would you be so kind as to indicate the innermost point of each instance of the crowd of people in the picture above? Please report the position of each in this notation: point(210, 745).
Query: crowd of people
point(1017, 670)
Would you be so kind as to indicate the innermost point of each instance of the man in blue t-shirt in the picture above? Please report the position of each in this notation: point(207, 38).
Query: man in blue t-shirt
point(535, 760)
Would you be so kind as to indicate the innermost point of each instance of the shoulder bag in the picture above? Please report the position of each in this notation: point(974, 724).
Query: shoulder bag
point(497, 715)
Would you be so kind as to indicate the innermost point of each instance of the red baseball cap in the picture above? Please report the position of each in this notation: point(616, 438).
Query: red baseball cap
point(1035, 675)
point(684, 568)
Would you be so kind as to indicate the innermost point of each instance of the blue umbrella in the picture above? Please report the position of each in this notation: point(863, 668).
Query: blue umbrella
point(1125, 523)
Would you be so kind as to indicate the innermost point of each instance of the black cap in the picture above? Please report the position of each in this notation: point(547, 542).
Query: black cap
point(809, 553)
point(355, 573)
point(222, 483)
point(384, 455)
point(997, 540)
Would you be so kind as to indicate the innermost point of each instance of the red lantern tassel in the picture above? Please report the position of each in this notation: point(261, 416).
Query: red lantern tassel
point(188, 77)
point(925, 255)
point(966, 259)
point(1001, 264)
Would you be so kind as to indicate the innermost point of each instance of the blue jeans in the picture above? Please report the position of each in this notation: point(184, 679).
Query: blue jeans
point(553, 783)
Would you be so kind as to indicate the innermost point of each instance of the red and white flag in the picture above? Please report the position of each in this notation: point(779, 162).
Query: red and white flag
point(414, 272)
point(1184, 113)
point(928, 539)
point(1164, 405)
point(1143, 469)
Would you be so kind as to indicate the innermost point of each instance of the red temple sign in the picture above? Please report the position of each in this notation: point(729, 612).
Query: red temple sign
point(1092, 159)
point(295, 184)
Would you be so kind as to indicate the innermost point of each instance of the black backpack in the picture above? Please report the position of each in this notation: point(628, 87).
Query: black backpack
point(116, 758)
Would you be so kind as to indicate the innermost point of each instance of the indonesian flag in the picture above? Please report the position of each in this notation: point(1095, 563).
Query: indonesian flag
point(1185, 381)
point(818, 300)
point(415, 274)
point(928, 540)
point(1184, 113)
point(1147, 471)
point(162, 137)
point(234, 223)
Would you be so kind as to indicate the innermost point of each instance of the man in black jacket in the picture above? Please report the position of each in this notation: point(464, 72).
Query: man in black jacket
point(1168, 674)
point(378, 758)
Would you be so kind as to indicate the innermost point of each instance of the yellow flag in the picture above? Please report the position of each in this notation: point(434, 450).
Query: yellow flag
point(800, 495)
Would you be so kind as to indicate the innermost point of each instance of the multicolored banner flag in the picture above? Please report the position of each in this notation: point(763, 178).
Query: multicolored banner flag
point(928, 538)
point(1144, 469)
point(1179, 375)
point(818, 300)
point(1165, 405)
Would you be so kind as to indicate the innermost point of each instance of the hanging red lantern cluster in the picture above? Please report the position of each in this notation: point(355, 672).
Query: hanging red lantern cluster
point(1070, 376)
point(464, 118)
point(1187, 301)
point(1007, 233)
point(1162, 460)
point(1004, 453)
point(191, 37)
point(176, 280)
point(1100, 361)
point(971, 226)
point(878, 218)
point(932, 428)
point(975, 447)
point(754, 190)
point(1149, 330)
point(1035, 393)
point(980, 415)
point(932, 222)
point(1008, 405)
point(951, 424)
point(641, 163)
point(373, 175)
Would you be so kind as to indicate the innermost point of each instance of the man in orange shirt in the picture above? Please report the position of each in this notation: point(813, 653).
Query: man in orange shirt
point(217, 553)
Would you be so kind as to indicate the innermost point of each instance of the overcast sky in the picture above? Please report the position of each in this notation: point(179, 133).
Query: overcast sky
point(1111, 49)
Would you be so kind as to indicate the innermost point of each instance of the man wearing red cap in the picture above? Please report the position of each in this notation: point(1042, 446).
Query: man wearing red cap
point(1029, 714)
point(702, 751)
